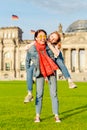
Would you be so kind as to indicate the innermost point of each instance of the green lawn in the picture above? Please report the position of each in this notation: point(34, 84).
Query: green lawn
point(15, 115)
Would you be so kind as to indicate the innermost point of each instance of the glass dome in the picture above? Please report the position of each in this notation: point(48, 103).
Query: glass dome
point(77, 26)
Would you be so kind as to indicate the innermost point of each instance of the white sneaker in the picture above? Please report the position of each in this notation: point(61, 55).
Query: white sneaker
point(57, 119)
point(72, 85)
point(37, 119)
point(28, 98)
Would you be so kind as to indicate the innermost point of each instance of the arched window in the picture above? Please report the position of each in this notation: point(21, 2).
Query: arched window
point(7, 66)
point(22, 65)
point(7, 61)
point(22, 61)
point(7, 55)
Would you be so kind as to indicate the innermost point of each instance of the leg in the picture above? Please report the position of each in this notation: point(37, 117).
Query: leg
point(62, 67)
point(29, 75)
point(29, 72)
point(53, 93)
point(39, 96)
point(60, 62)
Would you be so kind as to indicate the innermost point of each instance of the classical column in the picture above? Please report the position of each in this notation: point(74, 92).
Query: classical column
point(1, 50)
point(0, 59)
point(69, 59)
point(3, 59)
point(77, 60)
point(12, 55)
point(85, 60)
point(17, 62)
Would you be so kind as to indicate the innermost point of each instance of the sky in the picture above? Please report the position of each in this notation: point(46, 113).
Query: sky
point(41, 14)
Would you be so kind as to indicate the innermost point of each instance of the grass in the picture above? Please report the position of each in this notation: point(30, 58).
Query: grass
point(15, 115)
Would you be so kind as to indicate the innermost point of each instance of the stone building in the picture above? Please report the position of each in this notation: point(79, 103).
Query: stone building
point(74, 48)
point(12, 54)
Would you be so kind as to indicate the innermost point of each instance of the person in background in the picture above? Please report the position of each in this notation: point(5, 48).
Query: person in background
point(44, 68)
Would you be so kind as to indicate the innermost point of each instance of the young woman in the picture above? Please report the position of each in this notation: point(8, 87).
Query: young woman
point(44, 68)
point(54, 45)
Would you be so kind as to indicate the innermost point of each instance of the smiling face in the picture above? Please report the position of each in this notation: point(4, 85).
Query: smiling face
point(53, 38)
point(41, 37)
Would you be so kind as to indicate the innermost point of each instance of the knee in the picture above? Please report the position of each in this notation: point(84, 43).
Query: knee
point(38, 99)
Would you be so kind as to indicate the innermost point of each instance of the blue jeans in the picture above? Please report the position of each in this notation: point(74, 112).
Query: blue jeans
point(40, 91)
point(29, 75)
point(60, 62)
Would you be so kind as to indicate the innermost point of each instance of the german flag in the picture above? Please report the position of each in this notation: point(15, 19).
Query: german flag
point(15, 17)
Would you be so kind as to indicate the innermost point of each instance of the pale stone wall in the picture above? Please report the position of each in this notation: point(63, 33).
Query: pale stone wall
point(75, 41)
point(12, 54)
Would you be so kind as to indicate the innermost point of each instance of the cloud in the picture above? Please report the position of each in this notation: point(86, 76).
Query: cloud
point(58, 6)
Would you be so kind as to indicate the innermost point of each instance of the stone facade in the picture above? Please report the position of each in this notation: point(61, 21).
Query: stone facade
point(12, 53)
point(74, 48)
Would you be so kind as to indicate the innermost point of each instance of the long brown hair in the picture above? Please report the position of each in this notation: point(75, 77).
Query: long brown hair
point(59, 37)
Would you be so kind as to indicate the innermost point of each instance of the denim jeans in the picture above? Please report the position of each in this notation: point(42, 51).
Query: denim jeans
point(29, 75)
point(40, 91)
point(60, 62)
